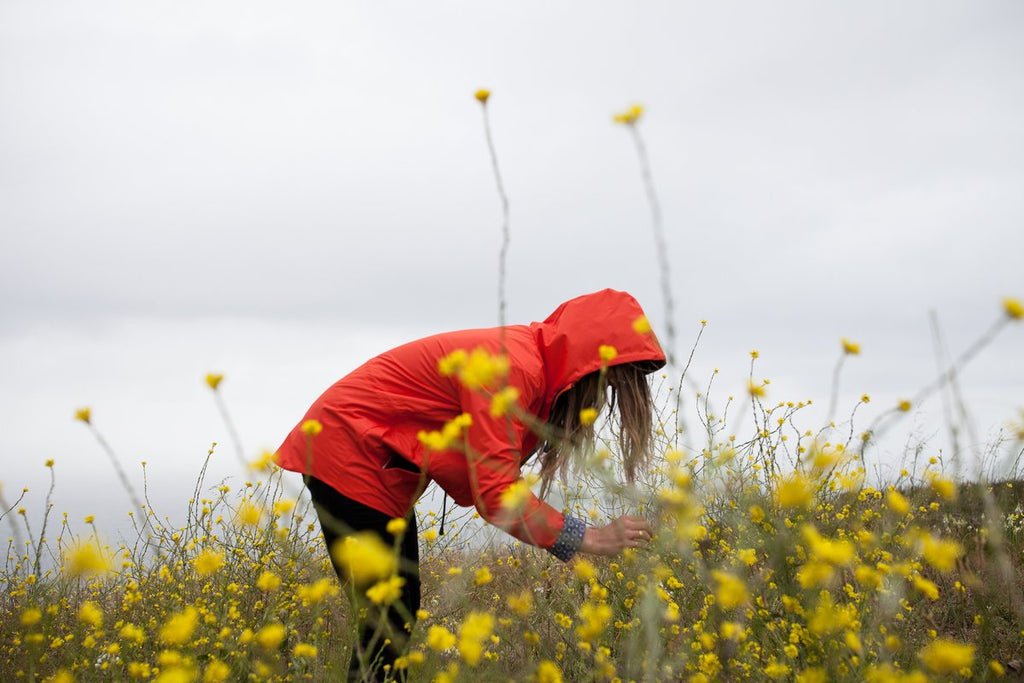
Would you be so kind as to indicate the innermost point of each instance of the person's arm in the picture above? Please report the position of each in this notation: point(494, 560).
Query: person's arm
point(611, 539)
point(493, 457)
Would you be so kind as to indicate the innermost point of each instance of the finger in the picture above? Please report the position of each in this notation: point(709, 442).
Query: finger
point(632, 523)
point(640, 524)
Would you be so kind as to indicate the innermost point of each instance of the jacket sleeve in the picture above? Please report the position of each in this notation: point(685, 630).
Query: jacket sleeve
point(493, 457)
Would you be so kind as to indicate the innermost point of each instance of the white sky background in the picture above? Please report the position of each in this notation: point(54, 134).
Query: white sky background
point(279, 191)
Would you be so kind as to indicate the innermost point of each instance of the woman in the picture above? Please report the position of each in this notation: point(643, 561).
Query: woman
point(466, 410)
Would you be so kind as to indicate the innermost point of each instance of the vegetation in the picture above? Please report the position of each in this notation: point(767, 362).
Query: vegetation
point(774, 560)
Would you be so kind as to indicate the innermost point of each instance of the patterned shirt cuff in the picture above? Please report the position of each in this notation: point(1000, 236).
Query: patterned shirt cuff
point(570, 540)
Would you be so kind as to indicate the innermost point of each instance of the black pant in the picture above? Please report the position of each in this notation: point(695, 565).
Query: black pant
point(340, 516)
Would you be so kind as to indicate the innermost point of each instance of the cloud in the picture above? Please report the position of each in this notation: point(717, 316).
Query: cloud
point(298, 178)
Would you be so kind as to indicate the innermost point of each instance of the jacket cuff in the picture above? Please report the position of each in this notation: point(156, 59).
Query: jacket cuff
point(570, 540)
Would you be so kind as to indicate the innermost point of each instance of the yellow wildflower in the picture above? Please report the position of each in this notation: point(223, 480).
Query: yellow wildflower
point(439, 638)
point(943, 486)
point(641, 325)
point(396, 526)
point(837, 552)
point(731, 591)
point(304, 650)
point(594, 618)
point(268, 581)
point(943, 656)
point(213, 380)
point(515, 496)
point(756, 390)
point(1013, 308)
point(143, 670)
point(90, 614)
point(311, 427)
point(814, 574)
point(132, 633)
point(482, 95)
point(925, 586)
point(265, 462)
point(312, 593)
point(521, 604)
point(897, 502)
point(31, 616)
point(794, 491)
point(630, 116)
point(248, 514)
point(747, 556)
point(709, 664)
point(503, 400)
point(84, 415)
point(364, 558)
point(449, 434)
point(831, 618)
point(587, 416)
point(904, 405)
point(584, 570)
point(868, 577)
point(387, 591)
point(473, 634)
point(849, 347)
point(548, 672)
point(451, 363)
point(483, 575)
point(271, 636)
point(216, 671)
point(179, 628)
point(476, 370)
point(940, 553)
point(207, 562)
point(812, 675)
point(607, 353)
point(283, 507)
point(86, 558)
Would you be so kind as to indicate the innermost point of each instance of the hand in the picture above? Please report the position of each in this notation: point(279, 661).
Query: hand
point(625, 532)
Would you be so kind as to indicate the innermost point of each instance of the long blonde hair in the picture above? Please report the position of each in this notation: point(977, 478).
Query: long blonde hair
point(567, 434)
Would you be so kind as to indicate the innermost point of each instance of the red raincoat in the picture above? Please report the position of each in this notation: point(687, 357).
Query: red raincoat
point(372, 416)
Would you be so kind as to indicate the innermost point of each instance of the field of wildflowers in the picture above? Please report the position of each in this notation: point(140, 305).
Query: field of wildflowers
point(773, 560)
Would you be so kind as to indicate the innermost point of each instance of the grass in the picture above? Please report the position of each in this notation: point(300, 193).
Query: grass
point(759, 571)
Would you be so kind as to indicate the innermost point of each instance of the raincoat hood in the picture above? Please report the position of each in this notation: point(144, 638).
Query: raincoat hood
point(571, 337)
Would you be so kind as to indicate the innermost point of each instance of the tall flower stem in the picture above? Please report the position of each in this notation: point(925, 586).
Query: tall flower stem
point(482, 96)
point(213, 381)
point(83, 416)
point(630, 119)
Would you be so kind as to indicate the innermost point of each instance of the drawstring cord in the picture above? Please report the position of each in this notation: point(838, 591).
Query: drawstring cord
point(444, 511)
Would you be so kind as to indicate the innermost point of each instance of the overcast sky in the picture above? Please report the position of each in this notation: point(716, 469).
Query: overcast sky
point(279, 191)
